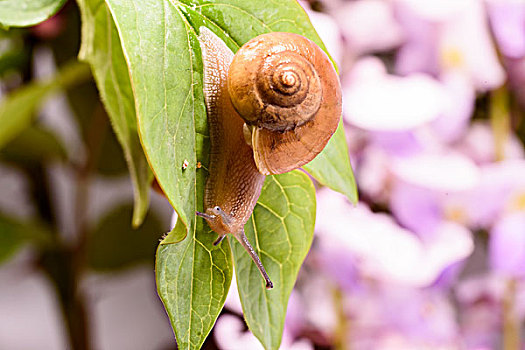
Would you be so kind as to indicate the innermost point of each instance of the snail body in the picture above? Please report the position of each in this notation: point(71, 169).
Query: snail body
point(234, 183)
point(271, 109)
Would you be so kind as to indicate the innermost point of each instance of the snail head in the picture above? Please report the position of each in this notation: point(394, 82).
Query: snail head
point(218, 220)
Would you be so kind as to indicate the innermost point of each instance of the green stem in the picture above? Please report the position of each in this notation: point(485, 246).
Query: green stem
point(500, 120)
point(341, 335)
point(511, 324)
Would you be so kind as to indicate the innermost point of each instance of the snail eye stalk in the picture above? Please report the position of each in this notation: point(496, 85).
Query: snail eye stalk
point(204, 215)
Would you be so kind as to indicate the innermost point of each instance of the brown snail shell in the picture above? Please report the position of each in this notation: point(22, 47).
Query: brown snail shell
point(288, 93)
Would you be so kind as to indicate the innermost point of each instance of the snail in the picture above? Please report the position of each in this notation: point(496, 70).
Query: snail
point(271, 109)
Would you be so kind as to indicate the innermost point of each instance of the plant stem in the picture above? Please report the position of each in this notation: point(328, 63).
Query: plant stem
point(500, 120)
point(60, 267)
point(65, 263)
point(77, 316)
point(511, 324)
point(341, 335)
point(57, 263)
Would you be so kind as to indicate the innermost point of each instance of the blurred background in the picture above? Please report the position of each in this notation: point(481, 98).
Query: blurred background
point(432, 257)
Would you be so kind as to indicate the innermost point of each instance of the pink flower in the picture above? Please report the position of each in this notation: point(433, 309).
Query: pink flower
point(453, 123)
point(375, 100)
point(385, 251)
point(479, 301)
point(448, 36)
point(442, 172)
point(507, 18)
point(392, 317)
point(478, 144)
point(507, 245)
point(500, 191)
point(432, 188)
point(369, 26)
point(230, 334)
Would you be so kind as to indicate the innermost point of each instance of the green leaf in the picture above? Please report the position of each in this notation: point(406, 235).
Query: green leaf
point(13, 234)
point(112, 162)
point(13, 53)
point(10, 238)
point(113, 244)
point(18, 109)
point(165, 67)
point(159, 41)
point(281, 231)
point(23, 13)
point(102, 49)
point(332, 166)
point(32, 146)
point(193, 279)
point(176, 235)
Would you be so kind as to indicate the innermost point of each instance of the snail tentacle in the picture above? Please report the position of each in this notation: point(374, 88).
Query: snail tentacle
point(241, 237)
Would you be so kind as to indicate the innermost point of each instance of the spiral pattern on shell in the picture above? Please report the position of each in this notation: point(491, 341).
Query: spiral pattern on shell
point(273, 83)
point(287, 91)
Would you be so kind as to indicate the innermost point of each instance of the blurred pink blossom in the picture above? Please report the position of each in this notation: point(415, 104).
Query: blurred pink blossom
point(373, 174)
point(230, 334)
point(500, 191)
point(393, 317)
point(443, 172)
point(50, 28)
point(376, 243)
point(516, 73)
point(431, 188)
point(319, 307)
point(437, 10)
point(448, 36)
point(507, 245)
point(478, 144)
point(453, 123)
point(507, 19)
point(375, 100)
point(479, 300)
point(233, 302)
point(369, 26)
point(480, 303)
point(294, 322)
point(453, 188)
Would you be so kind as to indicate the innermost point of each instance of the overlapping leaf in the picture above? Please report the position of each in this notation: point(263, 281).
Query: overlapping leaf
point(10, 238)
point(18, 109)
point(22, 13)
point(114, 245)
point(15, 233)
point(101, 48)
point(32, 146)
